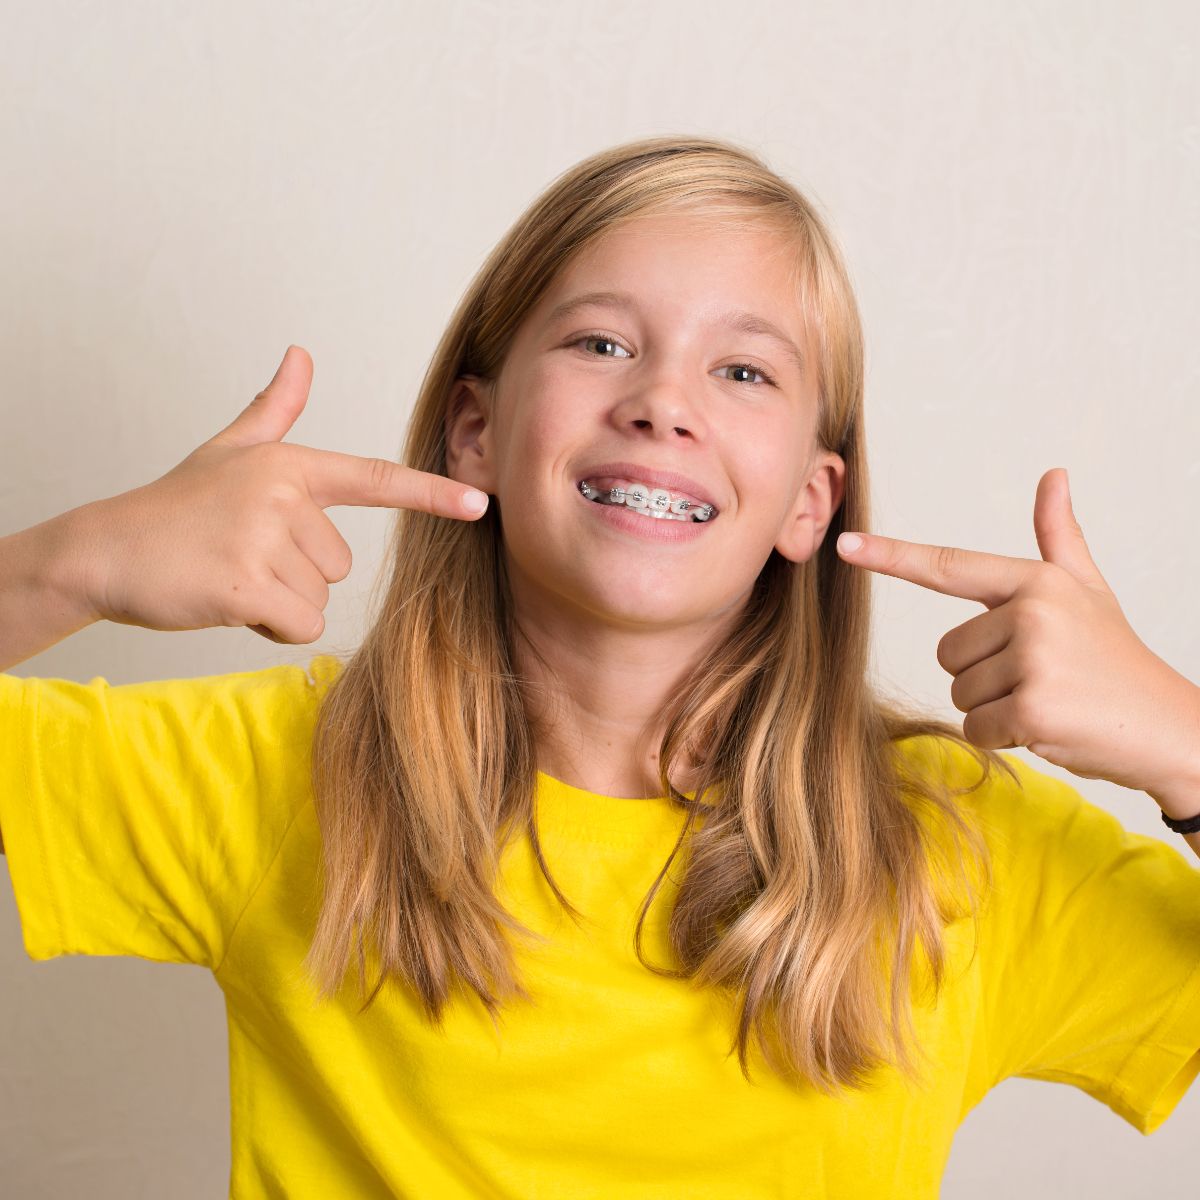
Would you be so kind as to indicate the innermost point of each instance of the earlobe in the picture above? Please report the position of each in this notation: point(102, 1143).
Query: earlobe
point(811, 514)
point(468, 432)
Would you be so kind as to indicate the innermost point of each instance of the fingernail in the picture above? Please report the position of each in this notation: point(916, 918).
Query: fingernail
point(848, 543)
point(475, 502)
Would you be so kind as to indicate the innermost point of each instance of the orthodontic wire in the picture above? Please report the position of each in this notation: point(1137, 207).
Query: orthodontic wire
point(616, 495)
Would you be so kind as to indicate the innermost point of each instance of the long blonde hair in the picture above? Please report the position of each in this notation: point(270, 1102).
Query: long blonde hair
point(809, 853)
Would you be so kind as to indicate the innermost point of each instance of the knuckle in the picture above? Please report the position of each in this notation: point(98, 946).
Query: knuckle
point(248, 557)
point(893, 555)
point(946, 562)
point(1026, 657)
point(433, 491)
point(380, 474)
point(277, 479)
point(1033, 613)
point(278, 493)
point(252, 578)
point(1028, 711)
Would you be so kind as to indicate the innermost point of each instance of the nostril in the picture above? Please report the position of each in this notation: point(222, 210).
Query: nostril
point(680, 430)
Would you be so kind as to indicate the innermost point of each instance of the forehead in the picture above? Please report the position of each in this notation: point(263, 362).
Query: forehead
point(687, 268)
point(701, 249)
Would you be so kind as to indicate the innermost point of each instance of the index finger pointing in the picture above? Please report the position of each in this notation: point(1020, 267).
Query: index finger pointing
point(336, 478)
point(990, 579)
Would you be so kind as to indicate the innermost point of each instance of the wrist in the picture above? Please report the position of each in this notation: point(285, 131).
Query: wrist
point(42, 599)
point(1178, 801)
point(1176, 785)
point(60, 567)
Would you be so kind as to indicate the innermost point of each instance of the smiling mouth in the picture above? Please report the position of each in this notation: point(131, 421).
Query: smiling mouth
point(653, 503)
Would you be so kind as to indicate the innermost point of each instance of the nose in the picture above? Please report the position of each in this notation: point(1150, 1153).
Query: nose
point(662, 410)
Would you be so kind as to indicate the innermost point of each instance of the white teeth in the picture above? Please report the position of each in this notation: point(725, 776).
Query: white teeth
point(649, 502)
point(655, 515)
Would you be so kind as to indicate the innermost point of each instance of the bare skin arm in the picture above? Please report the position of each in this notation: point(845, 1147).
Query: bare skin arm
point(234, 535)
point(42, 600)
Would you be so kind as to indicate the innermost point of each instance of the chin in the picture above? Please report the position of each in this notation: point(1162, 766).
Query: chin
point(640, 604)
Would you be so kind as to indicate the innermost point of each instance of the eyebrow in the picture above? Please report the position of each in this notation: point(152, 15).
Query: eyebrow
point(737, 319)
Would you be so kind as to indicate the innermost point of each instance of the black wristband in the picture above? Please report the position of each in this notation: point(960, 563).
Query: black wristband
point(1186, 825)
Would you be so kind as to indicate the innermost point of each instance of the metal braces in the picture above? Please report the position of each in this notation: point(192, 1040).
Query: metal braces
point(617, 495)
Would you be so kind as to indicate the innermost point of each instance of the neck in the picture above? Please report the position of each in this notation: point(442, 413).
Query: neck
point(598, 694)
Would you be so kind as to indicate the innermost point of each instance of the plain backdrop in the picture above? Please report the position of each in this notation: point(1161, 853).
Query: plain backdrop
point(189, 188)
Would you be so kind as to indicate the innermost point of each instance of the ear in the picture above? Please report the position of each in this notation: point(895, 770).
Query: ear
point(809, 517)
point(468, 428)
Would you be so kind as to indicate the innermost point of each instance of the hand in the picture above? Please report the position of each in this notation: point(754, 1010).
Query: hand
point(1053, 665)
point(236, 534)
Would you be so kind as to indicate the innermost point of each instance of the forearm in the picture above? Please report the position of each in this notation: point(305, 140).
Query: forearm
point(42, 596)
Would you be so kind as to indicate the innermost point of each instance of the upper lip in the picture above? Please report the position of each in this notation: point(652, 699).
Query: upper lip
point(672, 481)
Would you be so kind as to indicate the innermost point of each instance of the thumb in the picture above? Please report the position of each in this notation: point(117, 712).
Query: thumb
point(274, 410)
point(1059, 535)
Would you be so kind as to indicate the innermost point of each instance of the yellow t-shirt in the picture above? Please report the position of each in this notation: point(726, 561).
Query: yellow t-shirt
point(173, 820)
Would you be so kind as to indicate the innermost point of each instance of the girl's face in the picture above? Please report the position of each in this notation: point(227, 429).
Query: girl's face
point(673, 381)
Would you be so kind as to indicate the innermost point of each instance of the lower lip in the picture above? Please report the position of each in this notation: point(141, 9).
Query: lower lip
point(657, 529)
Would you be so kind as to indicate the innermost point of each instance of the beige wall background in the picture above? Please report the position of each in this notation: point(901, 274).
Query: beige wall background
point(189, 188)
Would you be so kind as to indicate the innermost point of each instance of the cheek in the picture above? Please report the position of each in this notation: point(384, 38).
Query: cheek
point(534, 442)
point(531, 422)
point(548, 418)
point(765, 454)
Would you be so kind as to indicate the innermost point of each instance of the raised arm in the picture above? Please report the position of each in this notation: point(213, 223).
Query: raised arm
point(234, 535)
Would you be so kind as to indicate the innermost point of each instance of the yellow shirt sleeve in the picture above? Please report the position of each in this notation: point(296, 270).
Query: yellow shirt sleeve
point(139, 819)
point(1091, 949)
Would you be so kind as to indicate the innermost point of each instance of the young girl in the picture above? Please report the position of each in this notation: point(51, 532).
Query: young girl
point(599, 869)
